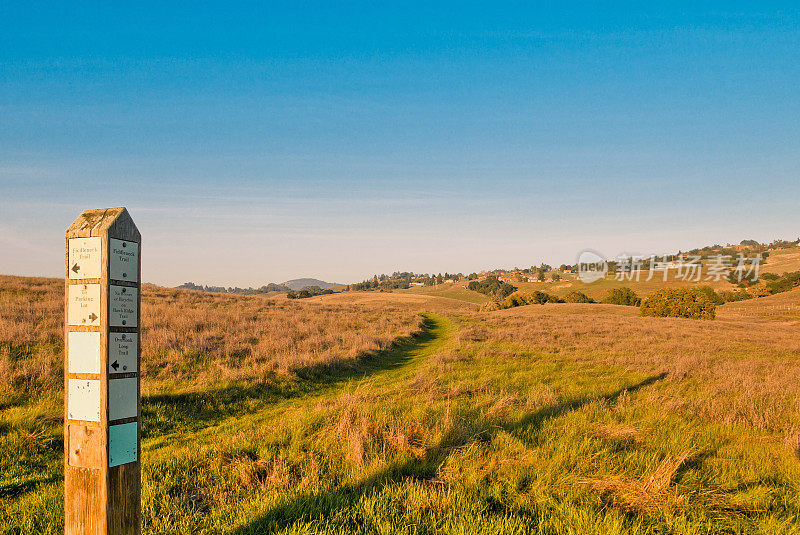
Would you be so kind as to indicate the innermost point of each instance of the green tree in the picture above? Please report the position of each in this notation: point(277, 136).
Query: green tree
point(785, 283)
point(622, 296)
point(493, 287)
point(578, 297)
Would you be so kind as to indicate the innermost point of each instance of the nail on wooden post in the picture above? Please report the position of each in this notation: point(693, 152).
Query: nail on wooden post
point(102, 351)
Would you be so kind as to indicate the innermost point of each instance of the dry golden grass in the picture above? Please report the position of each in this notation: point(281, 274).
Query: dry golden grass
point(381, 299)
point(782, 261)
point(778, 308)
point(31, 341)
point(198, 338)
point(742, 368)
point(240, 338)
point(652, 491)
point(625, 435)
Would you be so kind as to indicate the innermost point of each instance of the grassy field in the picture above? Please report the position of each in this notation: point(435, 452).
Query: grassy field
point(783, 261)
point(779, 262)
point(596, 290)
point(409, 413)
point(458, 291)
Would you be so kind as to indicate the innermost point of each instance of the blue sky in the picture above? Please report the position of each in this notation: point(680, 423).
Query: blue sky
point(273, 141)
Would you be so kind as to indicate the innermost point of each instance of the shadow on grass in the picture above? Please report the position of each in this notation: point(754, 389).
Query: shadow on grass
point(164, 413)
point(15, 490)
point(535, 419)
point(10, 402)
point(311, 506)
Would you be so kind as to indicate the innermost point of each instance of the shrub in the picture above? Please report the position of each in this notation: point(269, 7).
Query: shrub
point(535, 298)
point(741, 278)
point(712, 296)
point(785, 283)
point(540, 298)
point(492, 286)
point(692, 303)
point(489, 307)
point(578, 297)
point(514, 301)
point(308, 291)
point(734, 295)
point(622, 296)
point(759, 291)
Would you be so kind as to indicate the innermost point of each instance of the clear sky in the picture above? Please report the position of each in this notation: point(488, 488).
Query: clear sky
point(271, 141)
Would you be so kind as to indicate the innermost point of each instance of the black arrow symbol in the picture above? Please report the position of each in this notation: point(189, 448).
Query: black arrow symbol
point(76, 268)
point(92, 316)
point(115, 365)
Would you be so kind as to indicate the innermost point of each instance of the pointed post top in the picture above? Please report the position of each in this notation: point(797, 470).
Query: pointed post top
point(111, 222)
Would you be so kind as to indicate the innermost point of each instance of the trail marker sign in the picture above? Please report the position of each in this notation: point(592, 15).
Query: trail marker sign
point(124, 263)
point(83, 304)
point(84, 258)
point(102, 472)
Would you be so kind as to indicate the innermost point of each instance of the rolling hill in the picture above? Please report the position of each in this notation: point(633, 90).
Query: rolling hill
point(299, 284)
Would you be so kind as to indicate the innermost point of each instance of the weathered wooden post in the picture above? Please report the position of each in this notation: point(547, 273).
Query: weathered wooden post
point(101, 375)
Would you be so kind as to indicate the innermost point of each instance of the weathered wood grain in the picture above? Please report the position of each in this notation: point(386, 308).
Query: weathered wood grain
point(99, 499)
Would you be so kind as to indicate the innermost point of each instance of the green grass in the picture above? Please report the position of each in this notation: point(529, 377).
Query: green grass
point(444, 432)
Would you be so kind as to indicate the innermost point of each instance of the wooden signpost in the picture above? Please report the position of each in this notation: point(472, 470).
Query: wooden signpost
point(102, 472)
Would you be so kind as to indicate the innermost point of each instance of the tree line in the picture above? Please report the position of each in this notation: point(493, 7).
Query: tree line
point(267, 288)
point(401, 280)
point(308, 291)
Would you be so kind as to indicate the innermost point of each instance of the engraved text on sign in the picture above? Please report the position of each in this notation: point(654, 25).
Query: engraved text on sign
point(124, 260)
point(122, 306)
point(84, 305)
point(123, 349)
point(84, 258)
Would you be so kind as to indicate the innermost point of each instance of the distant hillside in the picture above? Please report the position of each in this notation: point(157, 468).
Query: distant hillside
point(299, 284)
point(296, 285)
point(266, 289)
